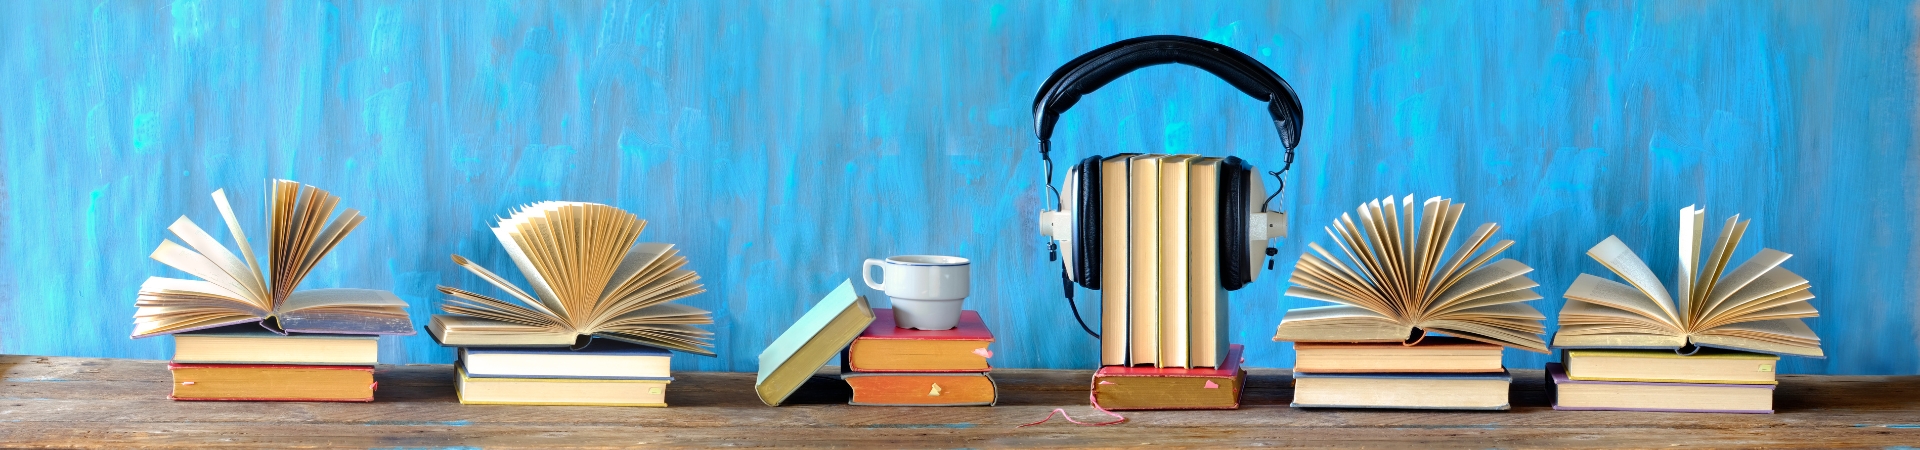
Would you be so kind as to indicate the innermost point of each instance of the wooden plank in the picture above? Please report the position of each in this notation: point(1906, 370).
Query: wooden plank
point(81, 402)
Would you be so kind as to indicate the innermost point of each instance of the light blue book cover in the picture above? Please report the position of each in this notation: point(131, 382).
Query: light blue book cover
point(803, 332)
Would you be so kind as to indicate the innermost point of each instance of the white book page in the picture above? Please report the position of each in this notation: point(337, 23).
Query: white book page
point(1690, 230)
point(1737, 280)
point(1617, 257)
point(235, 268)
point(240, 240)
point(1592, 289)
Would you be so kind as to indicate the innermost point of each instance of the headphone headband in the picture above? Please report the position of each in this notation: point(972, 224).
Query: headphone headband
point(1095, 69)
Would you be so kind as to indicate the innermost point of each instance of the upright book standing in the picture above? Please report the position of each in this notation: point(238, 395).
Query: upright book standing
point(244, 333)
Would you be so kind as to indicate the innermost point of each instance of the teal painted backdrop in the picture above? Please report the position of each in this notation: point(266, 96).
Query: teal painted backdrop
point(781, 142)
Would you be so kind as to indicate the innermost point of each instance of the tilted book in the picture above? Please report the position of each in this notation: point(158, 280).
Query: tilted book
point(1148, 388)
point(590, 279)
point(1756, 307)
point(805, 347)
point(232, 289)
point(1396, 280)
point(1576, 395)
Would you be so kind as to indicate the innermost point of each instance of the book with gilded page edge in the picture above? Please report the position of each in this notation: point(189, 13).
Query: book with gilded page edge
point(235, 289)
point(1707, 366)
point(1576, 395)
point(1758, 306)
point(1150, 388)
point(921, 389)
point(1463, 391)
point(1396, 281)
point(590, 280)
point(826, 329)
point(885, 347)
point(279, 383)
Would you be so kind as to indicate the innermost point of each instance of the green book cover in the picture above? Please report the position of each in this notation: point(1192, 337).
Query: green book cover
point(812, 341)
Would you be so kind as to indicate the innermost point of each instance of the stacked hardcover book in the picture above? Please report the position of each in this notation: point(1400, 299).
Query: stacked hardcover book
point(242, 333)
point(892, 366)
point(1395, 289)
point(598, 324)
point(1710, 347)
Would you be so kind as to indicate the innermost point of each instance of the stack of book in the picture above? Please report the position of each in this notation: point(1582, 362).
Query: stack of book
point(243, 333)
point(1722, 381)
point(598, 324)
point(1163, 338)
point(1436, 373)
point(1709, 347)
point(1396, 287)
point(892, 366)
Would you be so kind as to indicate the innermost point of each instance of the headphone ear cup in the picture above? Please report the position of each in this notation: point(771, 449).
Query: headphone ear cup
point(1234, 273)
point(1086, 223)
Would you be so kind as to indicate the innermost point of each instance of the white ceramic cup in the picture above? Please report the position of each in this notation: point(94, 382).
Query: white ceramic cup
point(926, 290)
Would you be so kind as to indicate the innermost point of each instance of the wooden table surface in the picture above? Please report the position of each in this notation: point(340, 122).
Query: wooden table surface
point(84, 402)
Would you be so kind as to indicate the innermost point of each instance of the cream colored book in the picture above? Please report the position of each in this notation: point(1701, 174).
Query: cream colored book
point(589, 278)
point(1143, 235)
point(559, 391)
point(1114, 280)
point(1393, 279)
point(1207, 313)
point(233, 289)
point(1173, 259)
point(1757, 306)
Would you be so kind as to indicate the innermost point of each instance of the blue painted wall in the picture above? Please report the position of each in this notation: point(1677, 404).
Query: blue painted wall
point(779, 143)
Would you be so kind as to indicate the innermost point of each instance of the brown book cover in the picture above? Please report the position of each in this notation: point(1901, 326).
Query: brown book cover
point(922, 389)
point(1143, 388)
point(885, 347)
point(272, 383)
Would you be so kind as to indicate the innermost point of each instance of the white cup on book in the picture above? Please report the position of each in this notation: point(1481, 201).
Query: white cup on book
point(926, 290)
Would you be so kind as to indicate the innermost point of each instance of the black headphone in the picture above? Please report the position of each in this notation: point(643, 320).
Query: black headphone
point(1079, 227)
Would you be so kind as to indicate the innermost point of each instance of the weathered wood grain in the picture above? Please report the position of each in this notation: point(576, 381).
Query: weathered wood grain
point(75, 402)
point(777, 143)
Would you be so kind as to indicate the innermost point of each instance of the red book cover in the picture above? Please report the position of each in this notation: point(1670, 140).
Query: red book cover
point(272, 382)
point(885, 347)
point(1147, 388)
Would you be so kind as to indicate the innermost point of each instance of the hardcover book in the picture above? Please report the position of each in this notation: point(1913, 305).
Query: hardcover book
point(1708, 366)
point(1147, 388)
point(604, 359)
point(260, 382)
point(1143, 260)
point(1115, 281)
point(804, 348)
point(1396, 281)
point(1756, 307)
point(560, 391)
point(921, 389)
point(1207, 325)
point(1433, 354)
point(1464, 391)
point(233, 289)
point(885, 347)
point(251, 344)
point(1576, 395)
point(590, 280)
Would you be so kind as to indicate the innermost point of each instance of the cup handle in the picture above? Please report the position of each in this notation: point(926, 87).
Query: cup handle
point(866, 273)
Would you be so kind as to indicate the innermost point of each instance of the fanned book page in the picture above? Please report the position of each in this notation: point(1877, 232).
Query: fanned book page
point(1392, 280)
point(589, 278)
point(231, 289)
point(1756, 306)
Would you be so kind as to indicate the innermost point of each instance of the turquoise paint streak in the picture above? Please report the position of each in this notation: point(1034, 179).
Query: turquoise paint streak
point(780, 143)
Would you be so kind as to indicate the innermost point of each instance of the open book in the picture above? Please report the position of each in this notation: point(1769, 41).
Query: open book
point(1397, 281)
point(590, 279)
point(1755, 307)
point(232, 289)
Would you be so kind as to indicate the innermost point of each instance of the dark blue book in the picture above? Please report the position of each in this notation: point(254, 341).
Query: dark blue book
point(603, 359)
